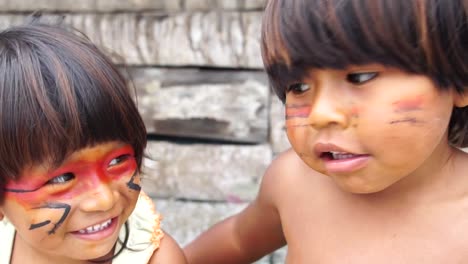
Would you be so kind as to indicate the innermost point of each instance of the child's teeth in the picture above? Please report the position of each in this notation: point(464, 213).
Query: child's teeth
point(339, 155)
point(95, 228)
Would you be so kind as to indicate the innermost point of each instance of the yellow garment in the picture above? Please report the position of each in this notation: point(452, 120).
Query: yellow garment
point(7, 236)
point(145, 234)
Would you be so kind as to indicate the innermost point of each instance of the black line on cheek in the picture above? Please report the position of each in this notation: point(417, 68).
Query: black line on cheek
point(406, 120)
point(408, 110)
point(34, 226)
point(20, 190)
point(132, 185)
point(66, 211)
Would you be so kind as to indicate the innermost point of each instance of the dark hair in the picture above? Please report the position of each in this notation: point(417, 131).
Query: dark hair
point(428, 37)
point(59, 93)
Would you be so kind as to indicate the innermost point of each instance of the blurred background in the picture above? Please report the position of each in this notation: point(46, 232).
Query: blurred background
point(213, 123)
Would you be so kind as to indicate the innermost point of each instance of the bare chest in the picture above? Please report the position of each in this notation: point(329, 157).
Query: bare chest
point(348, 235)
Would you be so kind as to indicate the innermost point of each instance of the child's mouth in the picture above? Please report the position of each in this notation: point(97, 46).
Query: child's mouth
point(339, 160)
point(343, 162)
point(98, 231)
point(96, 228)
point(333, 155)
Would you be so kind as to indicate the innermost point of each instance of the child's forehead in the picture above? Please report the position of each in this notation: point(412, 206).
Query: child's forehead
point(92, 153)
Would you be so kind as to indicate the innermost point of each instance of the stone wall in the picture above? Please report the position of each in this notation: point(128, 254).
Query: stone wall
point(213, 123)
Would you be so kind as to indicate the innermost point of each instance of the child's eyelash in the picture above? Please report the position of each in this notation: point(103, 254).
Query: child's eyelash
point(298, 88)
point(361, 77)
point(62, 178)
point(119, 159)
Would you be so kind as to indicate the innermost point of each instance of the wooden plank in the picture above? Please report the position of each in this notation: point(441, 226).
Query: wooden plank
point(88, 5)
point(128, 5)
point(278, 138)
point(204, 171)
point(186, 220)
point(215, 105)
point(208, 39)
point(224, 4)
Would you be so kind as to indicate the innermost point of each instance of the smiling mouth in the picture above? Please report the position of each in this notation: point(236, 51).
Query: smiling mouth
point(96, 228)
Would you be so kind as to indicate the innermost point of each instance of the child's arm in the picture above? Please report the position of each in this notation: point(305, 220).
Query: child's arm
point(168, 252)
point(246, 236)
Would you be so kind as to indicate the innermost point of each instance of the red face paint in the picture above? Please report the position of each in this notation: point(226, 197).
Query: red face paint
point(409, 105)
point(297, 111)
point(354, 111)
point(88, 168)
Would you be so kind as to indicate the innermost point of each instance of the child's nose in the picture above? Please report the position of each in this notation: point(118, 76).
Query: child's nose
point(327, 109)
point(100, 198)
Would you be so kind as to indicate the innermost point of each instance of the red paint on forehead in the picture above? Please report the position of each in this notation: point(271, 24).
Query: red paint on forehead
point(90, 169)
point(297, 111)
point(410, 104)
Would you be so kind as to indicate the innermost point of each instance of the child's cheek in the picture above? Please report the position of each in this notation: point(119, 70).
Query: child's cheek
point(297, 115)
point(27, 195)
point(406, 111)
point(27, 200)
point(135, 182)
point(50, 216)
point(406, 105)
point(297, 111)
point(354, 114)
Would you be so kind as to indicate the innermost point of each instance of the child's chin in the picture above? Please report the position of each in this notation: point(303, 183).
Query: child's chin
point(100, 252)
point(98, 258)
point(360, 188)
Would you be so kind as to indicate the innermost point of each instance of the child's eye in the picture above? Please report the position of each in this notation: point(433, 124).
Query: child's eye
point(360, 78)
point(62, 178)
point(119, 159)
point(298, 88)
point(122, 165)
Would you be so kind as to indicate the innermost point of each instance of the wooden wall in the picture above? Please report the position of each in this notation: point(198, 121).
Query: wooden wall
point(213, 123)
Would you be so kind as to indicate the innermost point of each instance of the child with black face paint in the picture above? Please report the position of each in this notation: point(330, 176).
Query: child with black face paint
point(71, 147)
point(375, 93)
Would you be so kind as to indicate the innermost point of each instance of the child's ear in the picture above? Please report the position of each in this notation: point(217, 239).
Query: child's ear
point(460, 99)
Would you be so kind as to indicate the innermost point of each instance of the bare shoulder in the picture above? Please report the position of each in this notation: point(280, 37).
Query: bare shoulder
point(283, 167)
point(289, 175)
point(168, 252)
point(288, 167)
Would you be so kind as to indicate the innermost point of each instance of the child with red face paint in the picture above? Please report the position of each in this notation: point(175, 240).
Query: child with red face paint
point(71, 147)
point(376, 109)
